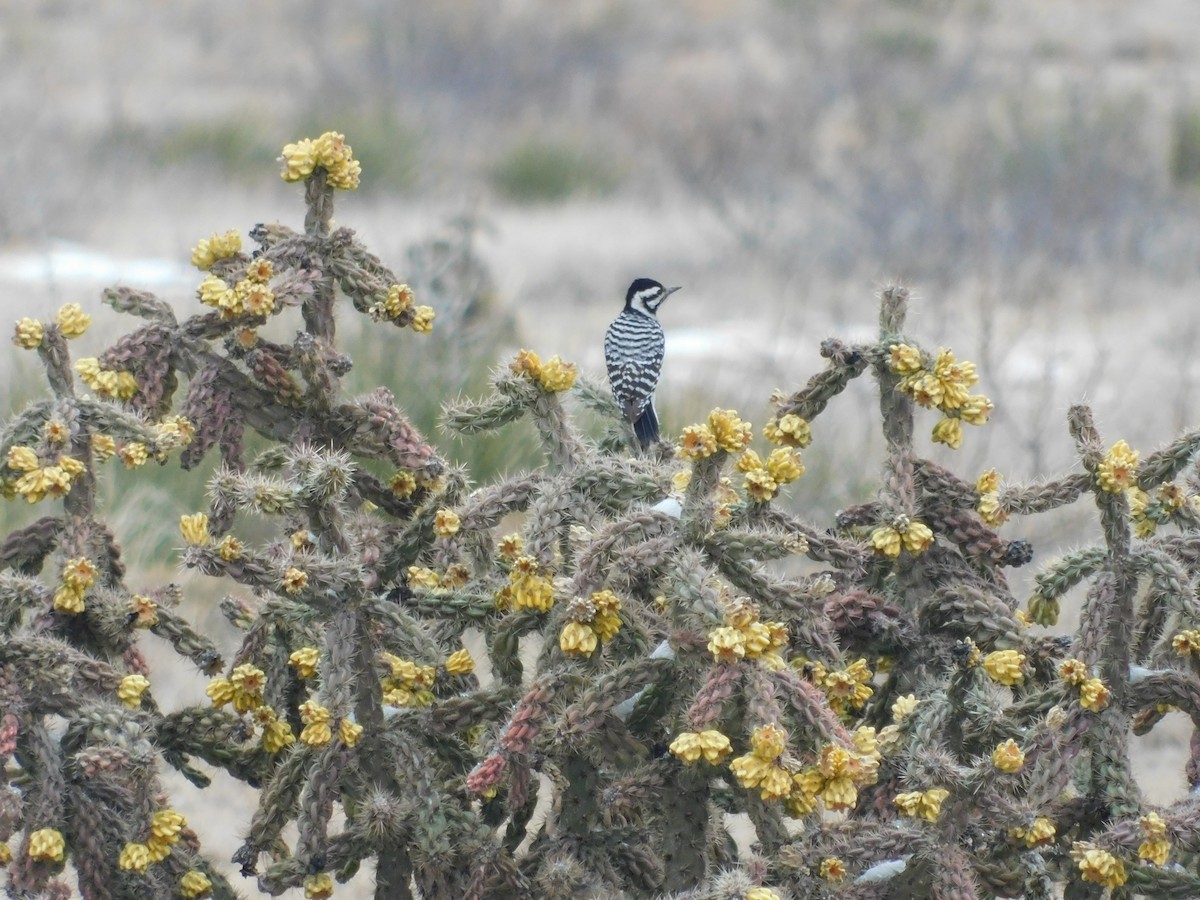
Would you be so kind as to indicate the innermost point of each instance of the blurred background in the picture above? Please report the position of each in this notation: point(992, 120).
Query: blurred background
point(1030, 168)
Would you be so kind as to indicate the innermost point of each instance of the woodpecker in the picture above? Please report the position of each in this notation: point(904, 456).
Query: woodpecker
point(633, 351)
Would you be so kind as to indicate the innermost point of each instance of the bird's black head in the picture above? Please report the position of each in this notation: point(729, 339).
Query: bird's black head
point(646, 295)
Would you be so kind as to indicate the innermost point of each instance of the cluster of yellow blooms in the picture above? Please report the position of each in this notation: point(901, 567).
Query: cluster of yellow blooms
point(329, 152)
point(689, 746)
point(846, 689)
point(834, 779)
point(837, 775)
point(723, 431)
point(988, 487)
point(591, 621)
point(927, 804)
point(165, 826)
point(788, 430)
point(317, 731)
point(1156, 848)
point(744, 636)
point(408, 683)
point(249, 297)
point(902, 534)
point(399, 300)
point(243, 688)
point(36, 481)
point(276, 732)
point(1147, 514)
point(1093, 694)
point(945, 386)
point(78, 574)
point(527, 587)
point(1118, 469)
point(765, 477)
point(71, 320)
point(108, 383)
point(217, 247)
point(760, 767)
point(554, 375)
point(1098, 865)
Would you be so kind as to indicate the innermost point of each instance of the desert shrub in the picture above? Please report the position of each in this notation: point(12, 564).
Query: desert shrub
point(655, 642)
point(537, 171)
point(1185, 148)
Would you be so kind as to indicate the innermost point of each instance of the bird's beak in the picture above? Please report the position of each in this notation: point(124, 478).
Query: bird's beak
point(670, 291)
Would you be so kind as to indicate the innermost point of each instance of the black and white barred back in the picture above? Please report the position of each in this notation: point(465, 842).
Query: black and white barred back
point(633, 351)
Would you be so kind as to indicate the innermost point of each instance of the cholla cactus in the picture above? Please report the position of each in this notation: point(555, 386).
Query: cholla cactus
point(660, 642)
point(88, 792)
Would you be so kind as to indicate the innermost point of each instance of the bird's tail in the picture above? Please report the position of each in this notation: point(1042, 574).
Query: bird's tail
point(646, 427)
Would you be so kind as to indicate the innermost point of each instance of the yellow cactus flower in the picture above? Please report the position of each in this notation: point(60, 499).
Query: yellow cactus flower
point(1004, 666)
point(1098, 865)
point(726, 644)
point(696, 442)
point(578, 638)
point(1118, 469)
point(446, 523)
point(318, 887)
point(1008, 757)
point(422, 321)
point(557, 376)
point(135, 857)
point(194, 529)
point(216, 247)
point(790, 430)
point(131, 689)
point(294, 580)
point(220, 691)
point(730, 433)
point(349, 732)
point(47, 845)
point(72, 320)
point(195, 885)
point(1073, 671)
point(29, 334)
point(305, 661)
point(248, 682)
point(949, 431)
point(1093, 695)
point(460, 663)
point(905, 359)
point(768, 741)
point(22, 459)
point(419, 576)
point(315, 717)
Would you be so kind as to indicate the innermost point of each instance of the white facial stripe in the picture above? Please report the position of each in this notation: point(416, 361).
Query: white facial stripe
point(646, 295)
